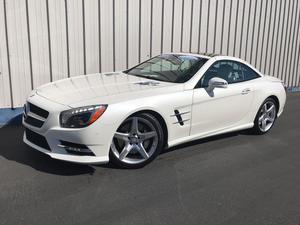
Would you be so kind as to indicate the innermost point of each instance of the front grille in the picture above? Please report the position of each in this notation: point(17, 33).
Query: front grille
point(34, 115)
point(37, 139)
point(34, 122)
point(38, 111)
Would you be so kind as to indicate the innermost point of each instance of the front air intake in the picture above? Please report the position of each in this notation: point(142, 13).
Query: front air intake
point(37, 139)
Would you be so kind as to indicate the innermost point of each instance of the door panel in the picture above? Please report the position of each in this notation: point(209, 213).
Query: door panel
point(223, 108)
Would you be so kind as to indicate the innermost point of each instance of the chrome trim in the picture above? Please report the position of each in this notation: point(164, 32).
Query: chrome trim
point(181, 121)
point(179, 114)
point(75, 149)
point(33, 115)
point(61, 146)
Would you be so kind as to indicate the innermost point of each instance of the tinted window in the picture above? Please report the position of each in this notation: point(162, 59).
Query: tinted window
point(169, 67)
point(232, 72)
point(249, 73)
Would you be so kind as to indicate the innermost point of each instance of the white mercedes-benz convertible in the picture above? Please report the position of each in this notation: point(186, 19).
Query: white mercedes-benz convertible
point(129, 117)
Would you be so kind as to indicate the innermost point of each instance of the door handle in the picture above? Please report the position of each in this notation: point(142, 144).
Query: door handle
point(246, 91)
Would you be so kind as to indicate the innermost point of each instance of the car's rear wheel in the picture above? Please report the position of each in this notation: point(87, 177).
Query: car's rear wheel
point(265, 117)
point(137, 141)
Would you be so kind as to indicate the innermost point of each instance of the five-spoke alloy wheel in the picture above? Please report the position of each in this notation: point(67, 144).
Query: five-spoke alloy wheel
point(265, 117)
point(137, 141)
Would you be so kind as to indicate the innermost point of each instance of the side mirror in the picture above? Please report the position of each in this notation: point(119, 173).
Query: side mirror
point(217, 82)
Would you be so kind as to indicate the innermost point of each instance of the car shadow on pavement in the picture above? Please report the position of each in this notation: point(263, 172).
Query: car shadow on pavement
point(12, 148)
point(206, 140)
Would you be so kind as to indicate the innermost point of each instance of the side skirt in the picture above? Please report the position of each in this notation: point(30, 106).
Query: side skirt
point(208, 134)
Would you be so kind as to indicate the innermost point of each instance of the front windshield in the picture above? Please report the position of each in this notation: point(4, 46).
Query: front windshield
point(169, 68)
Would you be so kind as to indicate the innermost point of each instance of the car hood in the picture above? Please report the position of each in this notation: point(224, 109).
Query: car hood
point(104, 88)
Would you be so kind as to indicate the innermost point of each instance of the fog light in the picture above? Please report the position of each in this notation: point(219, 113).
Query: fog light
point(76, 149)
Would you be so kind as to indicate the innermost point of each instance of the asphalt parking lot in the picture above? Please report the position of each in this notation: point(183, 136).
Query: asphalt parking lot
point(230, 179)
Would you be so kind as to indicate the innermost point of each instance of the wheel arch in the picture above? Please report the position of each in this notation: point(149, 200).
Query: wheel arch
point(160, 118)
point(262, 100)
point(276, 99)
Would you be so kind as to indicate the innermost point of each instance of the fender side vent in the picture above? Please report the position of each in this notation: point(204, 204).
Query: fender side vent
point(179, 118)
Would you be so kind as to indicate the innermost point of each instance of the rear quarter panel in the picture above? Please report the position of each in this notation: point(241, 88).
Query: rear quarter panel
point(265, 88)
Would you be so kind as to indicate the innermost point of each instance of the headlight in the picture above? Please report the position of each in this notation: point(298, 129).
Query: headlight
point(82, 116)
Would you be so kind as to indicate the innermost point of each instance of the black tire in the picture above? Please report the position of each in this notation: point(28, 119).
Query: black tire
point(256, 128)
point(158, 146)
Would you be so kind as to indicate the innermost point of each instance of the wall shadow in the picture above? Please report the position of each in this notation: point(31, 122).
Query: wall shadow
point(12, 148)
point(15, 121)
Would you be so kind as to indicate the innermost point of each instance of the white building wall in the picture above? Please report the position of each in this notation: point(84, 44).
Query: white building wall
point(47, 40)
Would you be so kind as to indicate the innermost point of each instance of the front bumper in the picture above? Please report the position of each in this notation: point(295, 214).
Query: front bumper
point(63, 155)
point(96, 137)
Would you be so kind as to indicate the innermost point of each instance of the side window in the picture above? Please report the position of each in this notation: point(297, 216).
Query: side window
point(232, 72)
point(249, 74)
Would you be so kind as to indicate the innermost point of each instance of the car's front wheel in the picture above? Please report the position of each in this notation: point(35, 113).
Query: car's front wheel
point(138, 140)
point(265, 117)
